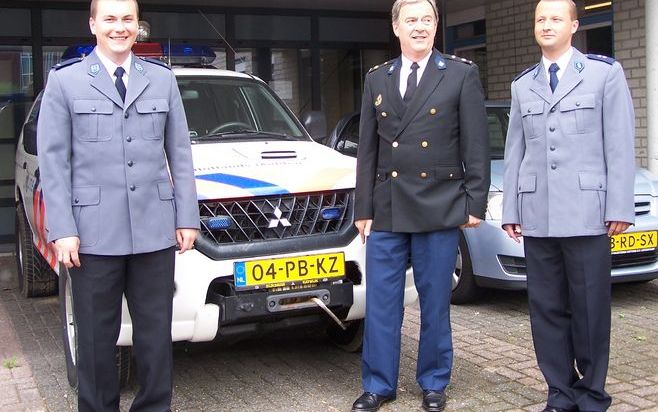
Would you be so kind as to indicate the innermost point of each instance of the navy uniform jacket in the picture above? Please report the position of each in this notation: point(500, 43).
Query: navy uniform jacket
point(424, 167)
point(107, 166)
point(569, 155)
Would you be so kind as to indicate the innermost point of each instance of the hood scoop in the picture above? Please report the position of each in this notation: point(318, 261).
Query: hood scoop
point(279, 154)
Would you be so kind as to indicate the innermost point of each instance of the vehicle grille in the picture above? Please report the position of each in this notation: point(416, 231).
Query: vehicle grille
point(634, 259)
point(517, 266)
point(283, 223)
point(642, 205)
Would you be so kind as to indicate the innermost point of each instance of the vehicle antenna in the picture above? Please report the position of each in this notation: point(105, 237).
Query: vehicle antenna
point(216, 31)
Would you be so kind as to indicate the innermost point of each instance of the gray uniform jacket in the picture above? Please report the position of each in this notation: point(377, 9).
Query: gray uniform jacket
point(425, 166)
point(107, 166)
point(569, 155)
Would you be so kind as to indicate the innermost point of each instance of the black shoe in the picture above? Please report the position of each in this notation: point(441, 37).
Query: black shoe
point(434, 401)
point(370, 402)
point(554, 409)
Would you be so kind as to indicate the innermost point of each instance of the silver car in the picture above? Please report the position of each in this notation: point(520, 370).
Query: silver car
point(488, 258)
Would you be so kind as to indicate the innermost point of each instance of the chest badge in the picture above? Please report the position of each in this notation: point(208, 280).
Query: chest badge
point(378, 100)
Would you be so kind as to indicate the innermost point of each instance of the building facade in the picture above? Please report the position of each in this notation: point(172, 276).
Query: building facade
point(313, 54)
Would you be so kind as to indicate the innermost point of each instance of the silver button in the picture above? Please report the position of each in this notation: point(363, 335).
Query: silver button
point(395, 144)
point(553, 166)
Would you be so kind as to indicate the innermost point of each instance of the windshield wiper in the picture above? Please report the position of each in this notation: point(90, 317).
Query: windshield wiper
point(247, 132)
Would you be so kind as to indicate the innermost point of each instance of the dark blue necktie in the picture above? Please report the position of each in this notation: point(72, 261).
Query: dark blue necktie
point(120, 85)
point(553, 68)
point(412, 83)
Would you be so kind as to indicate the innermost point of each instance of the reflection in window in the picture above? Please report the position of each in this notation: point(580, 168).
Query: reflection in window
point(290, 81)
point(342, 76)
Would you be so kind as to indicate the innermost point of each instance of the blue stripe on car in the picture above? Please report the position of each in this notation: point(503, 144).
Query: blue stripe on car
point(254, 186)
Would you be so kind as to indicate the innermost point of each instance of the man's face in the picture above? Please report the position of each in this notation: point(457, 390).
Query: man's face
point(115, 27)
point(554, 27)
point(416, 28)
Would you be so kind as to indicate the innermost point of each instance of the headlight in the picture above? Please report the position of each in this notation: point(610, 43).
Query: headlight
point(495, 206)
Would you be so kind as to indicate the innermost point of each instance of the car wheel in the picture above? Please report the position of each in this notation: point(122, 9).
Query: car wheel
point(69, 333)
point(35, 276)
point(464, 288)
point(350, 339)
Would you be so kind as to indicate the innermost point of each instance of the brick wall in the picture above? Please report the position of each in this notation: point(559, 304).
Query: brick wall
point(511, 48)
point(629, 38)
point(510, 43)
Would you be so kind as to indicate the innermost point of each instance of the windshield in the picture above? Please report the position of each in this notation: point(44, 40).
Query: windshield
point(498, 120)
point(220, 108)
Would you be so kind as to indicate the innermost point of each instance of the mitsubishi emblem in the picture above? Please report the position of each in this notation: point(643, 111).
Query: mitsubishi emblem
point(278, 220)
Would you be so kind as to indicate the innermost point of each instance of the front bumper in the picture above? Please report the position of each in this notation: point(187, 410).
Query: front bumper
point(199, 315)
point(499, 262)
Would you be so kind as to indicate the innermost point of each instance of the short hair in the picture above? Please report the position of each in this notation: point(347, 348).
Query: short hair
point(395, 12)
point(573, 9)
point(94, 4)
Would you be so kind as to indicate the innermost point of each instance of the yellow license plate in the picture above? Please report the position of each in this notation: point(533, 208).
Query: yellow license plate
point(296, 270)
point(634, 241)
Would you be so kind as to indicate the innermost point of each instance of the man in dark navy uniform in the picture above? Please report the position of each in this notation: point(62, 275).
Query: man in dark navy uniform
point(422, 173)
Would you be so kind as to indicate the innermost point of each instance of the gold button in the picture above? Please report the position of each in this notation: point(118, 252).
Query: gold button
point(424, 143)
point(423, 175)
point(432, 111)
point(394, 174)
point(384, 114)
point(395, 144)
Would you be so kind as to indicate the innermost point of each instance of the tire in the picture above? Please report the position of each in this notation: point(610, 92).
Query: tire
point(464, 288)
point(349, 340)
point(35, 277)
point(69, 334)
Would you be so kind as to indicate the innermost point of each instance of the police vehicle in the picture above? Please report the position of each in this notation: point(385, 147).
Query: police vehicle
point(277, 248)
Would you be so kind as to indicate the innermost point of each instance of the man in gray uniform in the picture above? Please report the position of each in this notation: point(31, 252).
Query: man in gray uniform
point(569, 170)
point(112, 137)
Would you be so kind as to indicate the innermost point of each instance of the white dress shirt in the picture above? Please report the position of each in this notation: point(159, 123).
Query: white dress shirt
point(405, 70)
point(111, 66)
point(562, 62)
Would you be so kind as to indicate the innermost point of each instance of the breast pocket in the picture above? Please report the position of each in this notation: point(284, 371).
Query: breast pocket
point(153, 117)
point(533, 118)
point(578, 114)
point(92, 120)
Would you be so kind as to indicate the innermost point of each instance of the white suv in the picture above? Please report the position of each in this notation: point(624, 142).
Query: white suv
point(277, 247)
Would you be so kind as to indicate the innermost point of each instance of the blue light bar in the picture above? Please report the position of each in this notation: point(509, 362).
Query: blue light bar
point(79, 50)
point(188, 53)
point(219, 222)
point(330, 213)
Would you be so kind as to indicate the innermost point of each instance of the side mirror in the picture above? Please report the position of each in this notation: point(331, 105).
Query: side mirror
point(315, 123)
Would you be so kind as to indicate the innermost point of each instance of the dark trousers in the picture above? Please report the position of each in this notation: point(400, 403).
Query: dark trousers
point(433, 256)
point(569, 301)
point(147, 280)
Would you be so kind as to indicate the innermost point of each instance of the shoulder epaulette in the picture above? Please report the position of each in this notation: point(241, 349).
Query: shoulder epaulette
point(526, 71)
point(372, 69)
point(155, 61)
point(601, 58)
point(68, 62)
point(458, 59)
